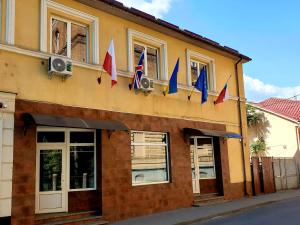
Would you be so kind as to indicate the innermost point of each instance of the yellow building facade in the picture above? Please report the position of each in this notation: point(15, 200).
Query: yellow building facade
point(32, 31)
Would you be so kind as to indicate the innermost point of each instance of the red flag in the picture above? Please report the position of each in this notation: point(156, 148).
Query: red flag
point(223, 96)
point(109, 64)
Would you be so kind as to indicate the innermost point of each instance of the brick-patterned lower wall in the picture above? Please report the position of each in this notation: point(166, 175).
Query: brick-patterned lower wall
point(116, 197)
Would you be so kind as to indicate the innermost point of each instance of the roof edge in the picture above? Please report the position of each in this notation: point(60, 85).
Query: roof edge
point(165, 24)
point(274, 113)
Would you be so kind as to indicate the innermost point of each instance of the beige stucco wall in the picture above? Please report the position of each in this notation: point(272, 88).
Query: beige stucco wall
point(26, 74)
point(281, 139)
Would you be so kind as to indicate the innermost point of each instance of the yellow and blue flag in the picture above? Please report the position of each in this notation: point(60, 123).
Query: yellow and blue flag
point(201, 84)
point(173, 80)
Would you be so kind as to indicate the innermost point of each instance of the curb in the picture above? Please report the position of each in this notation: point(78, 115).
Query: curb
point(228, 213)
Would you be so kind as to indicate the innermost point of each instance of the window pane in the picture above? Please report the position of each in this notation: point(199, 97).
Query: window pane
point(147, 137)
point(149, 157)
point(152, 62)
point(59, 37)
point(82, 166)
point(81, 137)
point(206, 158)
point(138, 49)
point(79, 43)
point(50, 170)
point(149, 164)
point(51, 137)
point(196, 68)
point(194, 72)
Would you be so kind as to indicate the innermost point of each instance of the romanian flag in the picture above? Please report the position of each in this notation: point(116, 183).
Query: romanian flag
point(173, 80)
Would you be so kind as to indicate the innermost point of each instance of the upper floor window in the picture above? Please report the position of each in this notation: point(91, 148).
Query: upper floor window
point(195, 63)
point(151, 62)
point(69, 39)
point(155, 52)
point(69, 32)
point(196, 67)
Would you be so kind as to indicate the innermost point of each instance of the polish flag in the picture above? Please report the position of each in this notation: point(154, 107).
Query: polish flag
point(223, 96)
point(109, 64)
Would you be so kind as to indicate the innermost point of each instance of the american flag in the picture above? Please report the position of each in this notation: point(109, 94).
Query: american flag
point(136, 81)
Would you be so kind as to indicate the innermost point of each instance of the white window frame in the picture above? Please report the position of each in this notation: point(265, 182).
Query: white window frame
point(151, 144)
point(134, 36)
point(145, 46)
point(65, 10)
point(69, 35)
point(10, 22)
point(69, 160)
point(196, 56)
point(67, 146)
point(213, 155)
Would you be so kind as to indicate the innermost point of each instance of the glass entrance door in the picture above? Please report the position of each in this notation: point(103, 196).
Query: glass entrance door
point(51, 191)
point(202, 161)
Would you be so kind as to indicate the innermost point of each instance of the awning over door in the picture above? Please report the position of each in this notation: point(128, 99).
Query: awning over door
point(216, 133)
point(60, 121)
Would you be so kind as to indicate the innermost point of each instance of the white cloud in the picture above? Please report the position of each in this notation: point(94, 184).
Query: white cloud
point(257, 90)
point(154, 7)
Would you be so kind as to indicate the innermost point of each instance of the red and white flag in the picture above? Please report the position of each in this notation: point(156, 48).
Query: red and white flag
point(109, 64)
point(223, 96)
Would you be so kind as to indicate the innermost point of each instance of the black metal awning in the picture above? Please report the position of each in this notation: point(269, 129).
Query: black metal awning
point(60, 121)
point(215, 133)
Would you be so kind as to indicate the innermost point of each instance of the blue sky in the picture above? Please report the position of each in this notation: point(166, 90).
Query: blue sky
point(268, 31)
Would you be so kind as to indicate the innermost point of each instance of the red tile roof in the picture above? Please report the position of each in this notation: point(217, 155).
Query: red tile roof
point(285, 107)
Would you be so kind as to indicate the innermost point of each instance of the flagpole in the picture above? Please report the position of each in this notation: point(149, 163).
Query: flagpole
point(99, 78)
point(222, 89)
point(228, 79)
point(190, 95)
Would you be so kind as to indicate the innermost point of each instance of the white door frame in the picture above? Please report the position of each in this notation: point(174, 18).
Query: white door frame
point(64, 192)
point(196, 179)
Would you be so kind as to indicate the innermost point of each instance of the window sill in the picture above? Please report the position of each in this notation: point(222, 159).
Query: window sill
point(208, 178)
point(147, 184)
point(86, 189)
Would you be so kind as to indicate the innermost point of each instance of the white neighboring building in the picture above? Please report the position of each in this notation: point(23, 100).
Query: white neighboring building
point(282, 138)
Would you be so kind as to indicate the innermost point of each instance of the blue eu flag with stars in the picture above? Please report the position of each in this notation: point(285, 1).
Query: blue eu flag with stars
point(201, 84)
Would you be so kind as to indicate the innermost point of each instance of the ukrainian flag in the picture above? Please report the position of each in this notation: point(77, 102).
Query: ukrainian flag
point(173, 80)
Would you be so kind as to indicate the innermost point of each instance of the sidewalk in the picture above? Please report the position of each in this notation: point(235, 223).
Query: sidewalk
point(196, 214)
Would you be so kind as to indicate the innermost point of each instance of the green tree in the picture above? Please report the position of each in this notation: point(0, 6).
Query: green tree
point(257, 121)
point(258, 146)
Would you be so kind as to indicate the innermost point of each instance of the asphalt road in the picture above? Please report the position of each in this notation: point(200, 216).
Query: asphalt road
point(280, 213)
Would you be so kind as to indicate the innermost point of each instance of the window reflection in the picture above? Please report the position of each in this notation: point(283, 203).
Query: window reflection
point(79, 43)
point(149, 157)
point(59, 37)
point(50, 170)
point(196, 68)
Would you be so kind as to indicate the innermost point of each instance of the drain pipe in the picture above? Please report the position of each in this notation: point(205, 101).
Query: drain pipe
point(241, 126)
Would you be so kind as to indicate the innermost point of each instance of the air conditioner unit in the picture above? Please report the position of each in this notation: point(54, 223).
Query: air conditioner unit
point(147, 84)
point(59, 66)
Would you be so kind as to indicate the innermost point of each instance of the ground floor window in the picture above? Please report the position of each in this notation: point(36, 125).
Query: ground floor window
point(77, 146)
point(149, 157)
